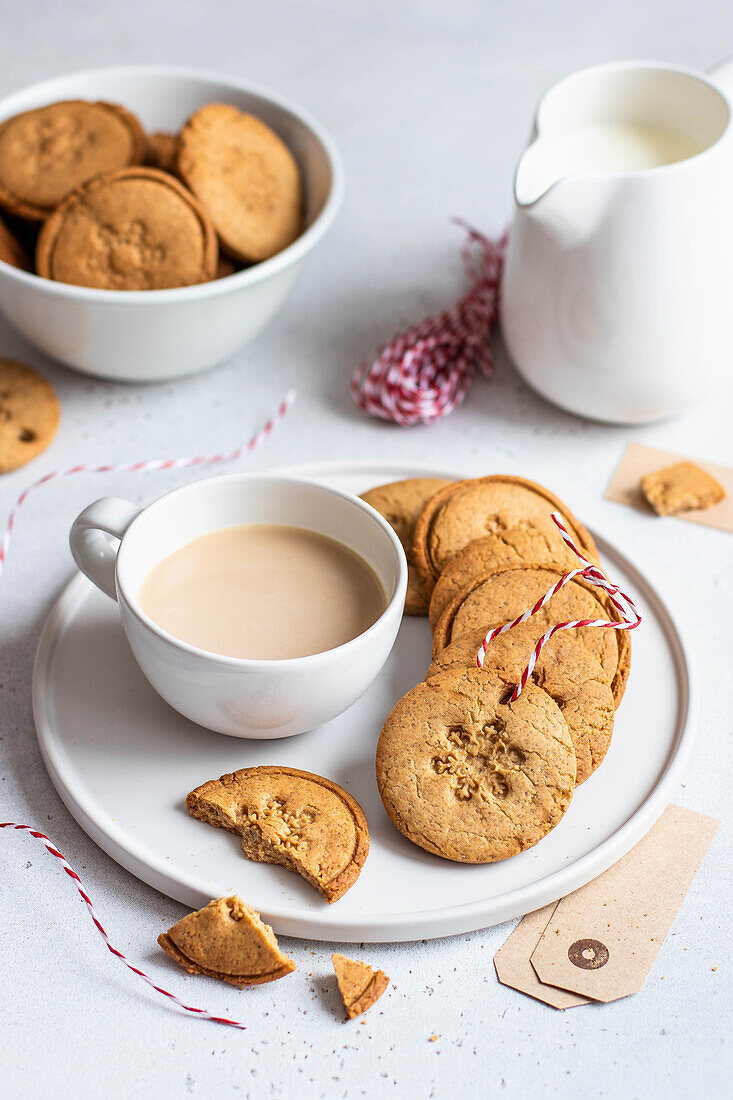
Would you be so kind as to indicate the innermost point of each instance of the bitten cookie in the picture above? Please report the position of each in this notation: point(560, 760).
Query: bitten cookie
point(227, 940)
point(299, 820)
point(359, 985)
point(470, 777)
point(507, 592)
point(682, 487)
point(50, 151)
point(29, 414)
point(246, 177)
point(401, 502)
point(494, 505)
point(518, 545)
point(11, 250)
point(138, 229)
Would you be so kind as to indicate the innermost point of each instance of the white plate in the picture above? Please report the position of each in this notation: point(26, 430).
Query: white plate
point(123, 762)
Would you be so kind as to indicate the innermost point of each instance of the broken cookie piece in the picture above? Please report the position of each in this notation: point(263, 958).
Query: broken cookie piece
point(359, 985)
point(682, 487)
point(227, 940)
point(294, 818)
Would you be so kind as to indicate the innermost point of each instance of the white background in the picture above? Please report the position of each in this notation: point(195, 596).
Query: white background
point(430, 103)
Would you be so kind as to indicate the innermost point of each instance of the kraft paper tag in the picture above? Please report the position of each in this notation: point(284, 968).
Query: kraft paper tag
point(514, 969)
point(602, 940)
point(639, 460)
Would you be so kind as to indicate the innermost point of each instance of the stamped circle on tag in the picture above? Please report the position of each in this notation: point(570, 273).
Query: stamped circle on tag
point(588, 954)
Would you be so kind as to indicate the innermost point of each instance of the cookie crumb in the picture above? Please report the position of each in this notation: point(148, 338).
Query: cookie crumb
point(682, 487)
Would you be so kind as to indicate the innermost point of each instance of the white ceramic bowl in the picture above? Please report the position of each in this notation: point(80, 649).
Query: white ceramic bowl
point(242, 698)
point(139, 336)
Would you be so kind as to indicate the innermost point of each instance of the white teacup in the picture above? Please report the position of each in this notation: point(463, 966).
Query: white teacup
point(238, 696)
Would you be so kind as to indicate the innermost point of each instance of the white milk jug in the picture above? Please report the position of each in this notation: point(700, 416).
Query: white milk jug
point(617, 297)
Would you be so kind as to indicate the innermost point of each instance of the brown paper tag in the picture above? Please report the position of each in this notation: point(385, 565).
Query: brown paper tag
point(639, 460)
point(514, 969)
point(602, 940)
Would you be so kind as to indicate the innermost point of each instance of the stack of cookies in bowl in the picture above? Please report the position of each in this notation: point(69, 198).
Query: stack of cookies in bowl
point(90, 199)
point(463, 771)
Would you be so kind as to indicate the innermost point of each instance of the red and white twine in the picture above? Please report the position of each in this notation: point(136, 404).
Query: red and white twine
point(630, 617)
point(138, 467)
point(424, 372)
point(53, 850)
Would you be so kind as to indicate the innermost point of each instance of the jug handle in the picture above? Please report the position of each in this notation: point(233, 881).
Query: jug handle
point(722, 75)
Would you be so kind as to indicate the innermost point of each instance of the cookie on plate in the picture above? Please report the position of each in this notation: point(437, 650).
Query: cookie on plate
point(469, 776)
point(566, 669)
point(227, 940)
point(162, 150)
point(682, 487)
point(401, 502)
point(138, 229)
point(12, 251)
point(246, 177)
point(507, 592)
point(359, 985)
point(494, 505)
point(295, 818)
point(518, 545)
point(49, 151)
point(29, 414)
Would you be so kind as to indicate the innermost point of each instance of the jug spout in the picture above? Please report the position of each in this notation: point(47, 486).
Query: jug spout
point(570, 207)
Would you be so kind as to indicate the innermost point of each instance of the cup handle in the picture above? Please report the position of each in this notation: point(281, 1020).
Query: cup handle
point(722, 75)
point(91, 545)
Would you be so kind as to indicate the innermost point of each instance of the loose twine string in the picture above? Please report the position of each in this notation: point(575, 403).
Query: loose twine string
point(424, 372)
point(630, 617)
point(128, 467)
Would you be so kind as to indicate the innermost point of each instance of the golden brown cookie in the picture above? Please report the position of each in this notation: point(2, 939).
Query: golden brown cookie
point(12, 251)
point(50, 151)
point(226, 267)
point(518, 545)
point(470, 777)
point(495, 505)
point(29, 414)
point(246, 177)
point(567, 670)
point(359, 985)
point(162, 150)
point(401, 502)
point(299, 820)
point(227, 940)
point(682, 487)
point(138, 229)
point(507, 592)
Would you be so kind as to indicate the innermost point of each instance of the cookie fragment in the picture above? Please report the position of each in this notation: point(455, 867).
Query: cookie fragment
point(48, 152)
point(294, 818)
point(359, 985)
point(138, 229)
point(227, 940)
point(29, 414)
point(401, 502)
point(469, 776)
point(246, 177)
point(493, 505)
point(682, 487)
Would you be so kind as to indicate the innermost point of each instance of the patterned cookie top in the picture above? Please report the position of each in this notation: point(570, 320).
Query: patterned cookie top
point(246, 177)
point(401, 502)
point(295, 818)
point(138, 229)
point(29, 414)
point(50, 151)
point(470, 777)
point(227, 940)
point(503, 594)
point(495, 505)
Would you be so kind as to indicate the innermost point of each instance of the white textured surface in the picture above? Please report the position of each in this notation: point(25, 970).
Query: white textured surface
point(430, 104)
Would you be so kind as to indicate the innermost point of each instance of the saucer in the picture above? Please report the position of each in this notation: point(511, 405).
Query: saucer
point(123, 762)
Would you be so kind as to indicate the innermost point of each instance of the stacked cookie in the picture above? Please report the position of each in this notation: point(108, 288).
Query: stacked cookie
point(463, 771)
point(101, 204)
